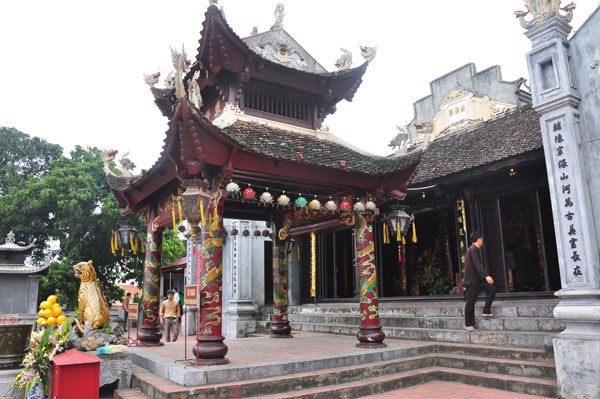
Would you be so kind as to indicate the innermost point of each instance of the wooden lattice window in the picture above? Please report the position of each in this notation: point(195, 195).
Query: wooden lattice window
point(276, 104)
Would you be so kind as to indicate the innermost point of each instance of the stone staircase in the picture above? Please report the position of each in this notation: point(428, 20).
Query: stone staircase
point(512, 352)
point(524, 370)
point(520, 323)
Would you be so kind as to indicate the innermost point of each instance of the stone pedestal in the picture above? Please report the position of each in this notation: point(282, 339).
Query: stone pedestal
point(190, 321)
point(241, 318)
point(116, 367)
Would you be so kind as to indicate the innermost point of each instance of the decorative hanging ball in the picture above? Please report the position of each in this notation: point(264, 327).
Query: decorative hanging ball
point(370, 205)
point(233, 189)
point(234, 232)
point(266, 198)
point(283, 200)
point(359, 207)
point(245, 233)
point(256, 233)
point(248, 194)
point(266, 233)
point(345, 206)
point(331, 206)
point(301, 202)
point(315, 205)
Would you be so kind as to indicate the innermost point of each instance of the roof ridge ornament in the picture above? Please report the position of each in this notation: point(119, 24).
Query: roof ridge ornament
point(279, 14)
point(181, 64)
point(344, 61)
point(368, 53)
point(543, 10)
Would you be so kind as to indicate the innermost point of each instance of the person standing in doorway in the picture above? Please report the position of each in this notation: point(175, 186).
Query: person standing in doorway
point(169, 317)
point(126, 301)
point(476, 279)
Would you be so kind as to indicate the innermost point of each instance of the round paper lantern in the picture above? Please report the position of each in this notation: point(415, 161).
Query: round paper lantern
point(315, 205)
point(331, 206)
point(248, 194)
point(359, 207)
point(283, 200)
point(233, 189)
point(266, 198)
point(345, 206)
point(301, 202)
point(370, 205)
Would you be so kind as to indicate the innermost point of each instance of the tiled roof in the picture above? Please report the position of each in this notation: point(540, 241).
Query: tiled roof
point(513, 134)
point(286, 145)
point(22, 269)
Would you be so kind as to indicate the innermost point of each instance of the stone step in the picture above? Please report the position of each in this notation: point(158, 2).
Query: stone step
point(130, 394)
point(530, 339)
point(371, 386)
point(515, 363)
point(438, 322)
point(522, 308)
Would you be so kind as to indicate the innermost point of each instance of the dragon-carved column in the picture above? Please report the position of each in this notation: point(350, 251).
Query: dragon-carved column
point(149, 332)
point(210, 348)
point(281, 326)
point(369, 334)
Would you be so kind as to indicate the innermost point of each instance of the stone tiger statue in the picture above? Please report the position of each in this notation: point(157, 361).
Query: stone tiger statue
point(92, 305)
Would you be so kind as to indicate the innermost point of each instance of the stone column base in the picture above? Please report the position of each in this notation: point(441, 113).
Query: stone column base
point(577, 367)
point(370, 337)
point(281, 329)
point(210, 350)
point(150, 336)
point(190, 322)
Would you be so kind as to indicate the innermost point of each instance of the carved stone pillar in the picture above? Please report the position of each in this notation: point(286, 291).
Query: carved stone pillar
point(370, 334)
point(210, 348)
point(149, 332)
point(281, 326)
point(556, 97)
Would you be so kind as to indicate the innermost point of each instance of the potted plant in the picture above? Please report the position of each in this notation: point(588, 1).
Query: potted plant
point(44, 344)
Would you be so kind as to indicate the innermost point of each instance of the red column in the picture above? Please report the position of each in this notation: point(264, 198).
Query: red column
point(210, 348)
point(369, 334)
point(281, 326)
point(149, 332)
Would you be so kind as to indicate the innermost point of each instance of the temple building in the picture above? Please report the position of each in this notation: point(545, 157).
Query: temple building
point(482, 169)
point(245, 144)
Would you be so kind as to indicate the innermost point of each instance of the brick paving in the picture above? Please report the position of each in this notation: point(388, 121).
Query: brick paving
point(450, 390)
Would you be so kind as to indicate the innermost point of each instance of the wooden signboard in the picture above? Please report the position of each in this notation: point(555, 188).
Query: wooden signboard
point(191, 296)
point(133, 311)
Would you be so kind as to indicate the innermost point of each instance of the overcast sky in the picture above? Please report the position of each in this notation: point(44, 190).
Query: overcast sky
point(71, 71)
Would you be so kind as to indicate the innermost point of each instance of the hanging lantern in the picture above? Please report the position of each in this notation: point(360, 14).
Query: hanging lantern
point(315, 205)
point(331, 206)
point(300, 202)
point(370, 205)
point(359, 207)
point(248, 194)
point(266, 198)
point(233, 189)
point(283, 200)
point(191, 198)
point(126, 235)
point(345, 206)
point(402, 218)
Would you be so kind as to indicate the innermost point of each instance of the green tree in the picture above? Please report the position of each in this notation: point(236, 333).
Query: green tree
point(172, 247)
point(23, 157)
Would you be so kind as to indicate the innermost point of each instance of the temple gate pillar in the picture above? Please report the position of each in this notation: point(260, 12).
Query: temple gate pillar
point(369, 334)
point(281, 325)
point(210, 348)
point(556, 98)
point(149, 331)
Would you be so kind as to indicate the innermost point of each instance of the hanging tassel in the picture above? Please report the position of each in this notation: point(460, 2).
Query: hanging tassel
point(133, 244)
point(216, 220)
point(173, 215)
point(112, 244)
point(210, 227)
point(202, 213)
point(398, 232)
point(386, 233)
point(180, 211)
point(399, 251)
point(403, 240)
point(116, 241)
point(414, 237)
point(123, 252)
point(143, 245)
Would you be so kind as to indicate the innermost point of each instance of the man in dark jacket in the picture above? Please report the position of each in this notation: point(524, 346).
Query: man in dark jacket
point(475, 280)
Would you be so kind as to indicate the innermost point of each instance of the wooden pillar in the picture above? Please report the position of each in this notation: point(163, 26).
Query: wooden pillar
point(369, 334)
point(210, 348)
point(281, 326)
point(149, 332)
